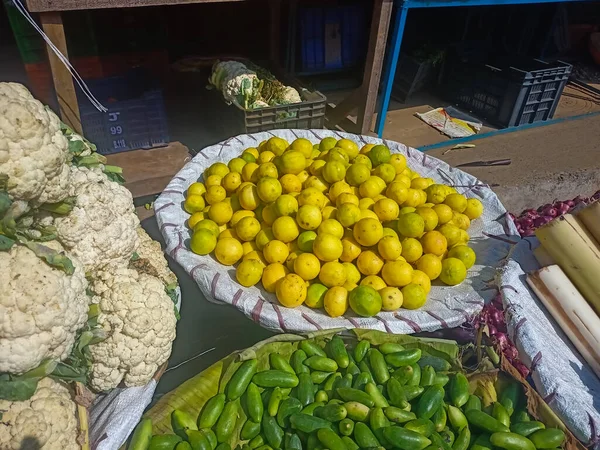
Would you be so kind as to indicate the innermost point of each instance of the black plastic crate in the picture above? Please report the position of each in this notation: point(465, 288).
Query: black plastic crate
point(136, 117)
point(507, 92)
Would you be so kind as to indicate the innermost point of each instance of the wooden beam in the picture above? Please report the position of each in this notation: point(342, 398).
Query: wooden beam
point(380, 24)
point(345, 107)
point(63, 83)
point(68, 5)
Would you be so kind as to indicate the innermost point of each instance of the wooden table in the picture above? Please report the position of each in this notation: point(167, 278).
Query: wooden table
point(364, 98)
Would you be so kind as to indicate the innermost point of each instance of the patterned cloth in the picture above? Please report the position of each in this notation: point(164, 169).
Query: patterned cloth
point(446, 306)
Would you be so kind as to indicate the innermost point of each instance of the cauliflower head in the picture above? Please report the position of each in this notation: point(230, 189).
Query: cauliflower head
point(33, 149)
point(138, 318)
point(101, 228)
point(47, 421)
point(238, 86)
point(41, 309)
point(290, 95)
point(152, 259)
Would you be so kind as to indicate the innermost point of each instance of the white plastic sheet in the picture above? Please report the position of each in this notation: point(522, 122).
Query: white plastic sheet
point(446, 306)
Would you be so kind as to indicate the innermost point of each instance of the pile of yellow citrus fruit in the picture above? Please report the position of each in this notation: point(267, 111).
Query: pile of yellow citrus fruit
point(332, 226)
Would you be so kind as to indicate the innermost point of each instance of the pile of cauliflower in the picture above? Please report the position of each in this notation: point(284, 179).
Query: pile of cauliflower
point(86, 294)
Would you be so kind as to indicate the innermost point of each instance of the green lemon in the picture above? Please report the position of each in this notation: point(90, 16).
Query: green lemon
point(365, 301)
point(203, 241)
point(305, 240)
point(315, 296)
point(379, 154)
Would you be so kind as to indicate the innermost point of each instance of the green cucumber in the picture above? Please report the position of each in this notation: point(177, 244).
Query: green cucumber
point(500, 413)
point(142, 436)
point(415, 379)
point(309, 410)
point(321, 363)
point(439, 419)
point(459, 390)
point(548, 438)
point(319, 377)
point(331, 412)
point(403, 374)
point(350, 444)
point(456, 418)
point(164, 441)
point(429, 402)
point(226, 423)
point(361, 380)
point(511, 441)
point(404, 357)
point(254, 403)
point(396, 393)
point(427, 376)
point(357, 411)
point(308, 424)
point(473, 402)
point(321, 396)
point(210, 435)
point(346, 427)
point(390, 347)
point(297, 361)
point(398, 415)
point(462, 440)
point(274, 401)
point(255, 442)
point(421, 426)
point(354, 395)
point(288, 407)
point(305, 390)
point(360, 351)
point(197, 440)
point(311, 348)
point(527, 428)
point(378, 366)
point(337, 351)
point(250, 430)
point(413, 392)
point(378, 399)
point(364, 367)
point(183, 445)
point(331, 381)
point(275, 378)
point(406, 439)
point(482, 443)
point(292, 442)
point(485, 422)
point(510, 396)
point(352, 369)
point(439, 364)
point(272, 431)
point(364, 437)
point(447, 436)
point(211, 411)
point(182, 421)
point(240, 380)
point(330, 440)
point(521, 416)
point(278, 362)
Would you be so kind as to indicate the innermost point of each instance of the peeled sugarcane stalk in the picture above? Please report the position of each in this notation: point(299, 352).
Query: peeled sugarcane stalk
point(576, 252)
point(570, 310)
point(543, 257)
point(590, 216)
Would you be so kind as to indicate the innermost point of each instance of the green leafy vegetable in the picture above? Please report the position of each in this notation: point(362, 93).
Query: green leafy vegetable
point(18, 388)
point(52, 257)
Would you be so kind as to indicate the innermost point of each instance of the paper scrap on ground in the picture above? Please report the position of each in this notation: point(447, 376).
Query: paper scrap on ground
point(451, 122)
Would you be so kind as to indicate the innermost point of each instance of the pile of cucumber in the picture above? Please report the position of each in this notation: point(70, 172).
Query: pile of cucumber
point(339, 398)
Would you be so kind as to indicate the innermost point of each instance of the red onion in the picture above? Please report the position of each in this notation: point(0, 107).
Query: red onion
point(551, 211)
point(563, 208)
point(571, 203)
point(541, 221)
point(526, 223)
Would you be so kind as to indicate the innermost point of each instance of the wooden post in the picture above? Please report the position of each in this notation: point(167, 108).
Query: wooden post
point(63, 83)
point(382, 13)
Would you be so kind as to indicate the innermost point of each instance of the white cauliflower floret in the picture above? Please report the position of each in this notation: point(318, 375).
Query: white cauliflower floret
point(291, 95)
point(150, 253)
point(47, 421)
point(138, 318)
point(41, 309)
point(239, 85)
point(222, 69)
point(33, 149)
point(101, 228)
point(82, 175)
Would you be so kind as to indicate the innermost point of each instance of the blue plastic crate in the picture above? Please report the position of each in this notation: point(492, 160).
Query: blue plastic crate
point(332, 38)
point(136, 117)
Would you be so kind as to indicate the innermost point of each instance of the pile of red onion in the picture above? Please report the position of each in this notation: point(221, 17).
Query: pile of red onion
point(531, 219)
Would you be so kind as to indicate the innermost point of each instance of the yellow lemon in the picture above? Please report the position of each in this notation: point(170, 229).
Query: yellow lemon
point(203, 241)
point(414, 198)
point(397, 273)
point(429, 216)
point(366, 203)
point(285, 229)
point(236, 165)
point(209, 225)
point(215, 194)
point(430, 265)
point(275, 251)
point(289, 262)
point(339, 188)
point(263, 237)
point(249, 272)
point(291, 291)
point(309, 217)
point(315, 182)
point(368, 214)
point(413, 296)
point(305, 241)
point(461, 221)
point(386, 172)
point(457, 202)
point(248, 197)
point(247, 228)
point(213, 180)
point(374, 281)
point(444, 213)
point(350, 248)
point(398, 161)
point(346, 197)
point(387, 231)
point(335, 301)
point(391, 298)
point(315, 295)
point(250, 172)
point(473, 210)
point(434, 242)
point(268, 189)
point(365, 301)
point(348, 214)
point(410, 225)
point(265, 157)
point(291, 161)
point(239, 215)
point(257, 256)
point(290, 183)
point(231, 181)
point(220, 213)
point(436, 193)
point(228, 233)
point(338, 154)
point(311, 196)
point(464, 253)
point(194, 203)
point(333, 171)
point(464, 237)
point(451, 233)
point(331, 226)
point(272, 274)
point(307, 266)
point(366, 149)
point(453, 271)
point(369, 263)
point(332, 274)
point(194, 219)
point(327, 144)
point(352, 274)
point(357, 174)
point(219, 169)
point(422, 280)
point(317, 167)
point(368, 232)
point(196, 188)
point(363, 159)
point(276, 145)
point(228, 251)
point(285, 205)
point(253, 151)
point(249, 246)
point(327, 247)
point(386, 209)
point(267, 170)
point(303, 146)
point(397, 192)
point(268, 214)
point(349, 147)
point(389, 247)
point(401, 178)
point(421, 183)
point(411, 249)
